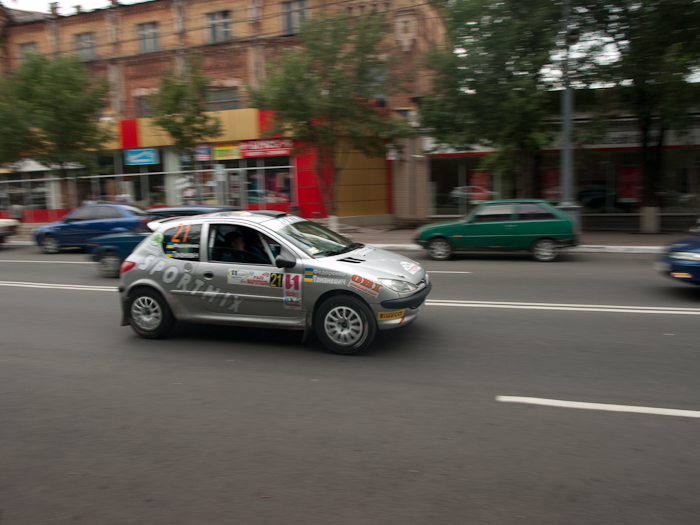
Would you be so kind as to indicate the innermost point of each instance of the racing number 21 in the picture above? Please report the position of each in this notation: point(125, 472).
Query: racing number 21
point(180, 227)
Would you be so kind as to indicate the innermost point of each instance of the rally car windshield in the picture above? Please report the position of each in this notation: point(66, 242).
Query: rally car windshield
point(313, 238)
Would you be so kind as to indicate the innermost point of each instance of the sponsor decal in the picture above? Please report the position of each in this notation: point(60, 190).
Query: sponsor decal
point(276, 280)
point(386, 316)
point(330, 280)
point(365, 285)
point(312, 275)
point(410, 267)
point(292, 291)
point(308, 275)
point(156, 239)
point(290, 219)
point(365, 250)
point(248, 278)
point(329, 273)
point(170, 274)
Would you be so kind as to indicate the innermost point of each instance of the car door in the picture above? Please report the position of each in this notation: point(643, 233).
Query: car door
point(249, 286)
point(489, 226)
point(77, 226)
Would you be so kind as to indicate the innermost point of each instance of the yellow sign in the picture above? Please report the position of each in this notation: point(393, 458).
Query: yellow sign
point(227, 151)
point(386, 316)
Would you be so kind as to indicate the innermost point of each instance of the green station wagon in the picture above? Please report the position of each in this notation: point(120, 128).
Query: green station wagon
point(513, 224)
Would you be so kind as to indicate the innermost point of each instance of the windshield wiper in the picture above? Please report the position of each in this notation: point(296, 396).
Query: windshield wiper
point(350, 247)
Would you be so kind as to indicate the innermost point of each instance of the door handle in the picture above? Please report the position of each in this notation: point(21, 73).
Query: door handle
point(208, 275)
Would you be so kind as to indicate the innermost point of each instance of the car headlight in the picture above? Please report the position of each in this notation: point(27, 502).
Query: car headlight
point(399, 286)
point(685, 256)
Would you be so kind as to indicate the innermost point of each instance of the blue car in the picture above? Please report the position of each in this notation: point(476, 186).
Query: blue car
point(109, 251)
point(81, 225)
point(681, 260)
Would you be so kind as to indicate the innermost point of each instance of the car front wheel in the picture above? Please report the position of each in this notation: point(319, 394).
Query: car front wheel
point(345, 325)
point(440, 249)
point(545, 250)
point(149, 314)
point(109, 264)
point(49, 244)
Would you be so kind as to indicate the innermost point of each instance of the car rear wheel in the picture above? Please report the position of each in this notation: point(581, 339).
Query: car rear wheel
point(545, 250)
point(109, 264)
point(149, 314)
point(345, 325)
point(440, 249)
point(49, 244)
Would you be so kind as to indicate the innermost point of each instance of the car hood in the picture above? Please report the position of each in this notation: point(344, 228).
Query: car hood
point(380, 263)
point(691, 244)
point(438, 225)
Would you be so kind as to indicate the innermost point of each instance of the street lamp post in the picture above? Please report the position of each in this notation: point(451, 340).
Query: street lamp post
point(567, 202)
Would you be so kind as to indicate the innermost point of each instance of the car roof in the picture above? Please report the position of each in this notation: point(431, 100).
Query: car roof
point(257, 216)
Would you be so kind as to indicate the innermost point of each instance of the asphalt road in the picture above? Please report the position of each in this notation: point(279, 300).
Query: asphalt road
point(227, 425)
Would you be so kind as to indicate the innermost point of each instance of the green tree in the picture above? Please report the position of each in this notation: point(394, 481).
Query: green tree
point(492, 82)
point(647, 50)
point(179, 107)
point(48, 112)
point(323, 93)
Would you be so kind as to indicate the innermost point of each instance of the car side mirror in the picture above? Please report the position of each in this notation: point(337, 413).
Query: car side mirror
point(282, 262)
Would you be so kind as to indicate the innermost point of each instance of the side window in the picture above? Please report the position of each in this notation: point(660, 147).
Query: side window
point(534, 212)
point(240, 244)
point(493, 213)
point(182, 241)
point(85, 214)
point(105, 212)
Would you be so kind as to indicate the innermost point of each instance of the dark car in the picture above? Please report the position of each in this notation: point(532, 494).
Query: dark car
point(188, 210)
point(512, 224)
point(81, 225)
point(108, 251)
point(681, 260)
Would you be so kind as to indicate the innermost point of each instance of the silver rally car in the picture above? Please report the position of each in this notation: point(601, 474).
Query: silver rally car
point(268, 269)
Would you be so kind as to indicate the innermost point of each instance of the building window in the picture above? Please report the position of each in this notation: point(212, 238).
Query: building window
point(143, 105)
point(254, 10)
point(26, 49)
point(148, 37)
point(293, 13)
point(219, 27)
point(85, 46)
point(222, 99)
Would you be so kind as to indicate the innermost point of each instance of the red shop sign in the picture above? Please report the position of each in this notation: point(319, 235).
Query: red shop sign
point(266, 148)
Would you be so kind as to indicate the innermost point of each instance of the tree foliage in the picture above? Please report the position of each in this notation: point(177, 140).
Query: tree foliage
point(326, 91)
point(179, 107)
point(647, 51)
point(492, 80)
point(48, 110)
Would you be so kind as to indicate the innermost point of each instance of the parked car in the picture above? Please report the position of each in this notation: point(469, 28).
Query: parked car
point(681, 260)
point(81, 225)
point(108, 251)
point(470, 194)
point(512, 224)
point(8, 227)
point(310, 278)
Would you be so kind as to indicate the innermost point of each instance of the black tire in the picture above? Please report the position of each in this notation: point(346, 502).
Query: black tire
point(345, 325)
point(148, 313)
point(109, 264)
point(545, 250)
point(440, 249)
point(49, 244)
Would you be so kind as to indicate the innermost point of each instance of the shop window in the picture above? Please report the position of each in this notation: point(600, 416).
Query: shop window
point(142, 107)
point(223, 99)
point(148, 37)
point(85, 45)
point(293, 14)
point(219, 27)
point(182, 242)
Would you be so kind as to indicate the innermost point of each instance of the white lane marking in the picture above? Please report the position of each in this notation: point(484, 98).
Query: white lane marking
point(599, 406)
point(432, 271)
point(83, 288)
point(567, 307)
point(45, 262)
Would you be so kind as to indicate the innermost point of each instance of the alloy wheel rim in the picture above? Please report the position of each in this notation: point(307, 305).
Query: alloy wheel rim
point(50, 244)
point(440, 249)
point(344, 326)
point(545, 250)
point(146, 313)
point(109, 264)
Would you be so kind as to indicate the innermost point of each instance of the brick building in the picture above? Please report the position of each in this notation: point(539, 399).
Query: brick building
point(131, 45)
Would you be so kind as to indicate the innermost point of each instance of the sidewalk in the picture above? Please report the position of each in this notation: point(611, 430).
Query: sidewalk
point(401, 239)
